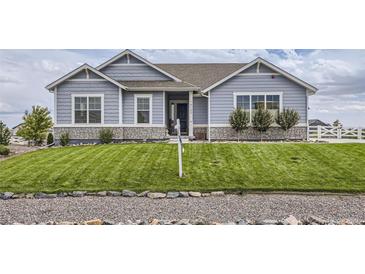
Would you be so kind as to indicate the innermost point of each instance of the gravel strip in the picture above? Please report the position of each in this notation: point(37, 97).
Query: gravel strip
point(222, 209)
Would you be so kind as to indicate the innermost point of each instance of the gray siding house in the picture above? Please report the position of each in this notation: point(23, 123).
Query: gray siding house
point(139, 100)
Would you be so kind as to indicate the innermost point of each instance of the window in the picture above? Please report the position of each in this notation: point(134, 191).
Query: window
point(94, 110)
point(143, 109)
point(243, 102)
point(80, 110)
point(87, 109)
point(273, 104)
point(252, 102)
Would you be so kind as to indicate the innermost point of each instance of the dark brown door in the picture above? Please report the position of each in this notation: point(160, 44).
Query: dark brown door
point(182, 114)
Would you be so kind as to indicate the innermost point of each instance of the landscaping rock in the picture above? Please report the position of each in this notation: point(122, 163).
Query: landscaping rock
point(317, 220)
point(128, 193)
point(143, 194)
point(267, 222)
point(156, 195)
point(101, 193)
point(184, 194)
point(94, 222)
point(172, 195)
point(217, 193)
point(194, 194)
point(206, 194)
point(114, 193)
point(18, 196)
point(41, 195)
point(29, 195)
point(198, 222)
point(66, 223)
point(91, 193)
point(291, 220)
point(78, 193)
point(154, 222)
point(243, 222)
point(6, 195)
point(62, 194)
point(108, 222)
point(183, 222)
point(345, 222)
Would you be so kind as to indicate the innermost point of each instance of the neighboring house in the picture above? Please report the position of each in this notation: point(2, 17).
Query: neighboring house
point(140, 100)
point(317, 122)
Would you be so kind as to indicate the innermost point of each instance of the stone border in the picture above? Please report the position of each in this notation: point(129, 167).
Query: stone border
point(124, 193)
point(290, 220)
point(158, 195)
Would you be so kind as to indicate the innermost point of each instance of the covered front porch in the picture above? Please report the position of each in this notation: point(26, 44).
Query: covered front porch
point(179, 105)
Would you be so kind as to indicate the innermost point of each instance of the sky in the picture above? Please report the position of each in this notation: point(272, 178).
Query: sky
point(338, 74)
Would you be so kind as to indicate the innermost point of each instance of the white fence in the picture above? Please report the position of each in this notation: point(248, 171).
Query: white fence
point(329, 132)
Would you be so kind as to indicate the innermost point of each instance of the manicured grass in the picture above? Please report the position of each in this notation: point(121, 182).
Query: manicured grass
point(207, 167)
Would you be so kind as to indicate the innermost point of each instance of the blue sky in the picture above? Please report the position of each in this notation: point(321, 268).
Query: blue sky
point(339, 75)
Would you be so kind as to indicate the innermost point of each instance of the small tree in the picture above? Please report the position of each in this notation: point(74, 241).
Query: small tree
point(50, 139)
point(239, 120)
point(64, 139)
point(106, 135)
point(337, 123)
point(36, 125)
point(262, 120)
point(5, 134)
point(287, 119)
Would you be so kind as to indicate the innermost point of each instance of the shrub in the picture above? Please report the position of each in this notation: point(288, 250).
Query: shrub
point(50, 139)
point(239, 120)
point(262, 120)
point(4, 150)
point(287, 119)
point(36, 125)
point(106, 135)
point(64, 139)
point(5, 134)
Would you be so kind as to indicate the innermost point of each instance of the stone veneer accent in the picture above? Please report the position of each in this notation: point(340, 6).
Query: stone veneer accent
point(274, 133)
point(91, 134)
point(145, 133)
point(85, 133)
point(200, 133)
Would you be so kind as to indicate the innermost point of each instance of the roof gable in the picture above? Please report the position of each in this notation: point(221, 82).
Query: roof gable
point(129, 57)
point(79, 73)
point(258, 61)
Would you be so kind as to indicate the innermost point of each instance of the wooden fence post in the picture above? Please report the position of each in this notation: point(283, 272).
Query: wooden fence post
point(359, 133)
point(319, 133)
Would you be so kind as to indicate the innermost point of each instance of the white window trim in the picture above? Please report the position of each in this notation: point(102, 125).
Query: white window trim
point(87, 113)
point(235, 94)
point(149, 96)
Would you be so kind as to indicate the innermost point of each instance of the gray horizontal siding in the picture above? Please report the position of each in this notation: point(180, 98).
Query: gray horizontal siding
point(64, 99)
point(157, 107)
point(131, 72)
point(124, 60)
point(200, 110)
point(263, 69)
point(221, 98)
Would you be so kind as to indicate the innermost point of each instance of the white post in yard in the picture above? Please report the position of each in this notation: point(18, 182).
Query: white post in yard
point(319, 133)
point(179, 147)
point(359, 133)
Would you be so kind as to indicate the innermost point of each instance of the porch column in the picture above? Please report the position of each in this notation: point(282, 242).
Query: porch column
point(191, 126)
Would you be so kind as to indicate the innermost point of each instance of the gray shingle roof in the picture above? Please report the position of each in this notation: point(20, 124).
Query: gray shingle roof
point(156, 84)
point(201, 75)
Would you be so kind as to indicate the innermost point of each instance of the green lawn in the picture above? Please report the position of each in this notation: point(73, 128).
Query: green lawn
point(207, 167)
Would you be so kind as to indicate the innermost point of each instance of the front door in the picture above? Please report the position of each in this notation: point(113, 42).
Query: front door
point(182, 114)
